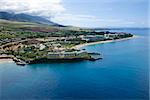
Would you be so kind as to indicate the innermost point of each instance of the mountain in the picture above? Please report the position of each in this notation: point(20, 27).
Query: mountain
point(26, 18)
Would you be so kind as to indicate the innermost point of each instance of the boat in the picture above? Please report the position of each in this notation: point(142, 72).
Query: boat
point(21, 63)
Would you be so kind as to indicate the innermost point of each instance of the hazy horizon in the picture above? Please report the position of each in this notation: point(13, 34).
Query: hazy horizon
point(90, 14)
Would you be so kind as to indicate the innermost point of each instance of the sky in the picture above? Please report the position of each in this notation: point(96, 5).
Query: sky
point(85, 13)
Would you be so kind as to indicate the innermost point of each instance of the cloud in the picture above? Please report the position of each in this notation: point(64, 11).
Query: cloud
point(94, 21)
point(81, 17)
point(47, 8)
point(54, 10)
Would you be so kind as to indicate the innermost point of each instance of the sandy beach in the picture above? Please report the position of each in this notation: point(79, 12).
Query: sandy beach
point(6, 60)
point(9, 60)
point(100, 42)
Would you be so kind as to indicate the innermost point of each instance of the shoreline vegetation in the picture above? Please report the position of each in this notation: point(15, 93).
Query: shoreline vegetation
point(37, 43)
point(103, 42)
point(10, 60)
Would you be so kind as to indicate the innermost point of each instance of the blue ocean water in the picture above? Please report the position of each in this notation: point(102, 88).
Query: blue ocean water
point(122, 74)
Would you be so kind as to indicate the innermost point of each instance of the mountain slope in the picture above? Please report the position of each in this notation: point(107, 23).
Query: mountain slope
point(26, 18)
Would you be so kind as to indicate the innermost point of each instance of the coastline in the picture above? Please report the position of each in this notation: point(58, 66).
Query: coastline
point(6, 61)
point(10, 60)
point(101, 42)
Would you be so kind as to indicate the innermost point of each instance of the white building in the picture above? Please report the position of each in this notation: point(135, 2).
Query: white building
point(65, 54)
point(42, 47)
point(92, 37)
point(110, 36)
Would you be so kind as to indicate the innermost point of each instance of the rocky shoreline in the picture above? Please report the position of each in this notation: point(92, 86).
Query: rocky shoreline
point(52, 60)
point(91, 57)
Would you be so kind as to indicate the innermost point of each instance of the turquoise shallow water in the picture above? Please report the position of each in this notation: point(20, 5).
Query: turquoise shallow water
point(121, 74)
